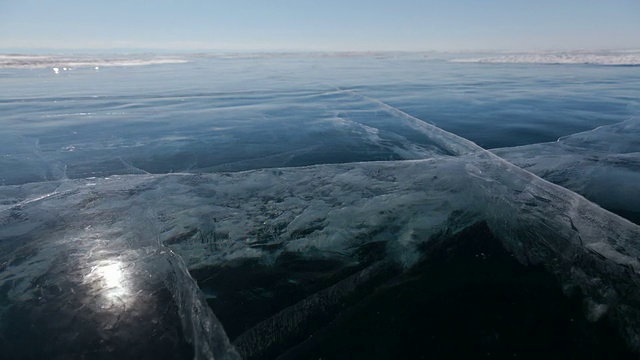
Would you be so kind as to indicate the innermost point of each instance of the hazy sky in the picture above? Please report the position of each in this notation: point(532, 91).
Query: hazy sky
point(321, 24)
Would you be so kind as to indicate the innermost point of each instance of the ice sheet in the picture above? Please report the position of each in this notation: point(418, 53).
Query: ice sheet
point(252, 131)
point(111, 241)
point(96, 281)
point(602, 164)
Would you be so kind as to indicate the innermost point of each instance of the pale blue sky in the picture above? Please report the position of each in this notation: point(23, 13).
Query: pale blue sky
point(357, 25)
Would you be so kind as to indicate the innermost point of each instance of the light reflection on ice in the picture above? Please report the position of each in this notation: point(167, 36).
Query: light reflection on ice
point(110, 279)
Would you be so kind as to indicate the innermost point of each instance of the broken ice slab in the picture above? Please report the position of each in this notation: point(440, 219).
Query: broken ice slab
point(602, 164)
point(86, 247)
point(227, 134)
point(94, 236)
point(80, 281)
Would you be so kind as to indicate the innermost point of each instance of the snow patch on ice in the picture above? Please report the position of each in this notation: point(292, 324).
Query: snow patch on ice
point(596, 58)
point(65, 62)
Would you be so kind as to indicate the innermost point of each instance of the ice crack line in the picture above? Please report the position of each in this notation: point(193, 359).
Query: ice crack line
point(453, 143)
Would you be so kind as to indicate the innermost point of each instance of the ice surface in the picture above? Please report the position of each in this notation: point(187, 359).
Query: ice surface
point(330, 126)
point(111, 246)
point(109, 201)
point(602, 164)
point(577, 57)
point(90, 276)
point(620, 138)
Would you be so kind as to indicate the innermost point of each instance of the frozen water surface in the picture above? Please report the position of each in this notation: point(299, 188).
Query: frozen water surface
point(303, 212)
point(601, 164)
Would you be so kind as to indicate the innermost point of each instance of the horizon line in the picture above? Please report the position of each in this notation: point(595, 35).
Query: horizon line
point(151, 50)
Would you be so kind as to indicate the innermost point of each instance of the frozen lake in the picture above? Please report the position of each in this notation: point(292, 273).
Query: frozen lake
point(265, 205)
